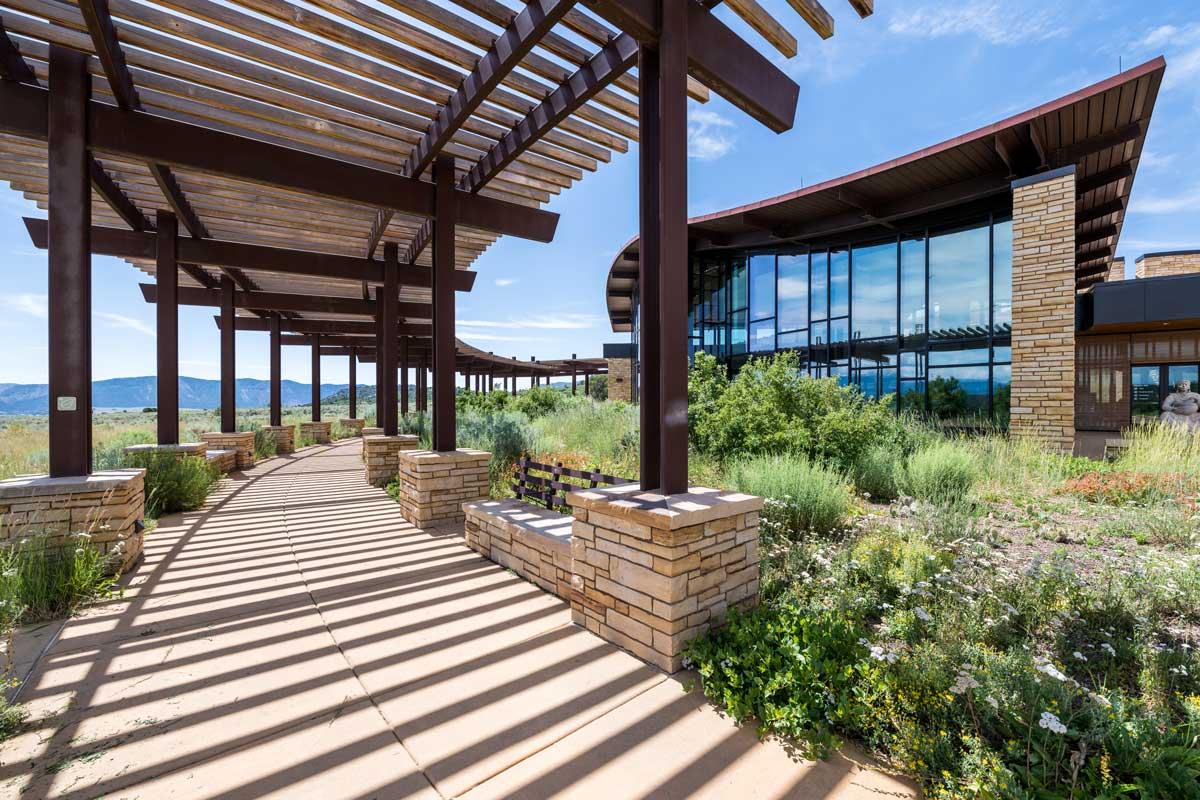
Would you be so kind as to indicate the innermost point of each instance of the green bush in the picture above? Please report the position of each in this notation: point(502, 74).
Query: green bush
point(944, 473)
point(264, 444)
point(539, 401)
point(417, 423)
point(173, 483)
point(598, 388)
point(39, 582)
point(770, 407)
point(808, 497)
point(877, 473)
point(492, 401)
point(503, 434)
point(111, 454)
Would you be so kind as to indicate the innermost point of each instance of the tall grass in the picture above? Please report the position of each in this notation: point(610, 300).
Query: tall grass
point(40, 582)
point(944, 473)
point(172, 483)
point(605, 434)
point(809, 497)
point(1162, 449)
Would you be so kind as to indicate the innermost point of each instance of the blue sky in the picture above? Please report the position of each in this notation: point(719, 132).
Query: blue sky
point(916, 73)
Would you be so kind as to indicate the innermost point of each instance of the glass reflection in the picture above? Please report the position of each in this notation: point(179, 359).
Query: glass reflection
point(839, 283)
point(762, 287)
point(958, 281)
point(793, 293)
point(874, 301)
point(819, 281)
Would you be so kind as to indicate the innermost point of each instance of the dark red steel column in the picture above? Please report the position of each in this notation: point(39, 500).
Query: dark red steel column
point(316, 377)
point(228, 358)
point(573, 357)
point(404, 375)
point(69, 279)
point(649, 410)
point(380, 388)
point(166, 276)
point(385, 361)
point(276, 401)
point(444, 423)
point(353, 383)
point(672, 247)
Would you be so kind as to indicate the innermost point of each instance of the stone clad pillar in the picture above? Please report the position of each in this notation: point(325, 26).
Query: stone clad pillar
point(1043, 311)
point(381, 455)
point(650, 573)
point(434, 485)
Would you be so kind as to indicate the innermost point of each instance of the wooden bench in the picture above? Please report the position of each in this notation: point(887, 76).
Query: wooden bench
point(550, 488)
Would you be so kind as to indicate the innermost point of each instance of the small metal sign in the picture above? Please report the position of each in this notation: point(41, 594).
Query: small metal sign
point(67, 404)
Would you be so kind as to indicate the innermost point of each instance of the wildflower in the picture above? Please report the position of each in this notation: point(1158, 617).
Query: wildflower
point(1079, 656)
point(1049, 669)
point(879, 653)
point(993, 702)
point(964, 683)
point(1051, 723)
point(1108, 648)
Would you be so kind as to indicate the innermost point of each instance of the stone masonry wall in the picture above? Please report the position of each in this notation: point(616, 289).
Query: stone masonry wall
point(533, 542)
point(284, 437)
point(109, 507)
point(223, 460)
point(434, 485)
point(355, 426)
point(1116, 271)
point(381, 456)
point(241, 442)
point(1043, 336)
point(318, 432)
point(1155, 265)
point(620, 379)
point(650, 574)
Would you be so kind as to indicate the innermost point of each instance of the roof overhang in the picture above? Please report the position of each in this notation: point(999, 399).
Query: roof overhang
point(1100, 130)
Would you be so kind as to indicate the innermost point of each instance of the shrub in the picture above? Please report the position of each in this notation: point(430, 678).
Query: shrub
point(264, 444)
point(598, 388)
point(417, 422)
point(877, 473)
point(111, 453)
point(503, 434)
point(944, 473)
point(808, 497)
point(492, 401)
point(539, 401)
point(173, 483)
point(39, 581)
point(1121, 488)
point(603, 434)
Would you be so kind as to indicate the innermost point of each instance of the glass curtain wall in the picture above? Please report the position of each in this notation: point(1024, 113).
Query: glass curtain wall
point(925, 317)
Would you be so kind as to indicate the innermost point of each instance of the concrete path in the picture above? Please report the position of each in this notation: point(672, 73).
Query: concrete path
point(297, 638)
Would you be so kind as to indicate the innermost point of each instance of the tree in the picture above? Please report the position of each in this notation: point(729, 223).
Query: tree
point(599, 387)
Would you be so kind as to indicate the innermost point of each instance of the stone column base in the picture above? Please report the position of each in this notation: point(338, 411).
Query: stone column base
point(109, 507)
point(649, 573)
point(224, 460)
point(434, 485)
point(372, 431)
point(284, 437)
point(381, 454)
point(242, 442)
point(318, 432)
point(196, 449)
point(354, 425)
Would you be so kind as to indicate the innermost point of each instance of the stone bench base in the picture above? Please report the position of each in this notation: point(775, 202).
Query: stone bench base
point(434, 485)
point(355, 426)
point(196, 449)
point(381, 455)
point(242, 443)
point(533, 542)
point(318, 432)
point(224, 460)
point(109, 507)
point(650, 573)
point(372, 431)
point(284, 437)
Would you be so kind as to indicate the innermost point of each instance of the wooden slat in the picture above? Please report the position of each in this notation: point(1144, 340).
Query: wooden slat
point(766, 26)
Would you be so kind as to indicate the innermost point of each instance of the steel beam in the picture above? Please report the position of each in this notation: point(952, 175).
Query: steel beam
point(444, 411)
point(716, 56)
point(672, 240)
point(166, 275)
point(69, 278)
point(279, 301)
point(215, 252)
point(276, 410)
point(386, 367)
point(650, 399)
point(228, 358)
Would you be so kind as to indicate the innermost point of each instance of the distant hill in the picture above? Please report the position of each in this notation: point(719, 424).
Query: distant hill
point(33, 398)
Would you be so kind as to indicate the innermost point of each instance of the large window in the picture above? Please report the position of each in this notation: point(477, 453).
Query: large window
point(924, 317)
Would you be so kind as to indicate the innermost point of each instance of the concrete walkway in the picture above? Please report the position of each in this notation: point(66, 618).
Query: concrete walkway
point(297, 638)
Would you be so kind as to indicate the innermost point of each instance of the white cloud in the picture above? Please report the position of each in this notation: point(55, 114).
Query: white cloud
point(480, 336)
point(1154, 245)
point(505, 281)
point(994, 22)
point(31, 304)
point(549, 322)
point(710, 135)
point(122, 321)
point(1160, 36)
point(1154, 160)
point(1166, 204)
point(1182, 48)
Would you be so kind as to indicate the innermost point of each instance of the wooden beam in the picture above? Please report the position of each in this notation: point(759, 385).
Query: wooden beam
point(1103, 179)
point(1100, 212)
point(812, 12)
point(1072, 154)
point(279, 301)
point(865, 8)
point(69, 273)
point(146, 137)
point(765, 25)
point(12, 66)
point(217, 252)
point(717, 56)
point(325, 326)
point(612, 61)
point(1099, 235)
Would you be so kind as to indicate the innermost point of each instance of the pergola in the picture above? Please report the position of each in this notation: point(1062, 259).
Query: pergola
point(302, 166)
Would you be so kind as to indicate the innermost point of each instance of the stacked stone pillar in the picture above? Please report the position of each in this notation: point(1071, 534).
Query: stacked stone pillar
point(284, 437)
point(434, 485)
point(107, 507)
point(316, 432)
point(1043, 311)
point(241, 442)
point(381, 456)
point(652, 572)
point(355, 426)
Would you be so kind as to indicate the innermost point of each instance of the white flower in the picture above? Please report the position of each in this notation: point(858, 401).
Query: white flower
point(1051, 723)
point(1080, 656)
point(1108, 648)
point(880, 654)
point(922, 614)
point(1052, 671)
point(964, 683)
point(993, 702)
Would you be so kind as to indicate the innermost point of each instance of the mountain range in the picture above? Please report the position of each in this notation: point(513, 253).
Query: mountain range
point(142, 392)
